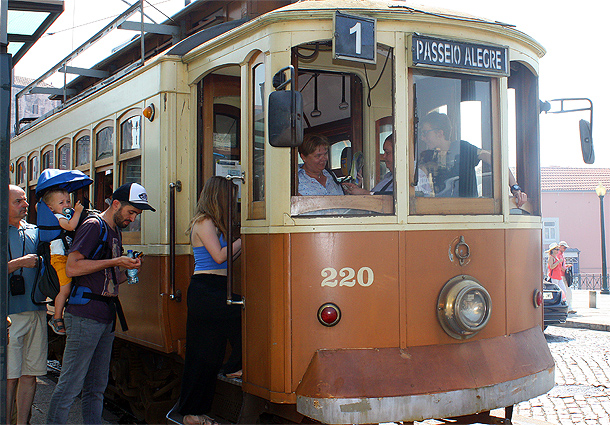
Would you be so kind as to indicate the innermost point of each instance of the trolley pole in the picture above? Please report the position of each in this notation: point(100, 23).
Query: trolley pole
point(5, 134)
point(601, 192)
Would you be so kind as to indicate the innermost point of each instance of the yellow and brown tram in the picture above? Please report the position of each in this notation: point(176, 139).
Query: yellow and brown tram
point(374, 308)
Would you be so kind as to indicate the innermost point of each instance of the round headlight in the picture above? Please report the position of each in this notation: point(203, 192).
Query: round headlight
point(464, 307)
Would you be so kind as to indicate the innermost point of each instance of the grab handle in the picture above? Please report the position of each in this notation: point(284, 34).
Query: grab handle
point(230, 246)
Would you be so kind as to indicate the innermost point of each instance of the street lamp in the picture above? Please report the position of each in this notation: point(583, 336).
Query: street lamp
point(601, 192)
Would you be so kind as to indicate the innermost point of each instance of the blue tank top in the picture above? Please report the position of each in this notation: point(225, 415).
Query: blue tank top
point(203, 259)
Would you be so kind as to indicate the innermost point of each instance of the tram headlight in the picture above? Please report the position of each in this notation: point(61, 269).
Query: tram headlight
point(464, 307)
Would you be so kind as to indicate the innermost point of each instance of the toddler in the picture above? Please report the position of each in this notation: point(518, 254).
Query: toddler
point(58, 201)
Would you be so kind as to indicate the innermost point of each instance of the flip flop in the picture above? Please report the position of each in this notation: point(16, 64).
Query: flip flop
point(198, 420)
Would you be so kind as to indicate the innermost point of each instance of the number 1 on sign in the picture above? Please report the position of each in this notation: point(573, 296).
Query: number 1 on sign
point(358, 30)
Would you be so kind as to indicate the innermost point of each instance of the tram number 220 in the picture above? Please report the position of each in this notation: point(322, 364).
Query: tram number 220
point(364, 277)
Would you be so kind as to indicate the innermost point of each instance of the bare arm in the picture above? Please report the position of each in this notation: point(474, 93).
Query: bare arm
point(73, 222)
point(28, 261)
point(78, 265)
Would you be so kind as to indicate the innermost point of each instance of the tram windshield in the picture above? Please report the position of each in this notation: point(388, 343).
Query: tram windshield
point(453, 143)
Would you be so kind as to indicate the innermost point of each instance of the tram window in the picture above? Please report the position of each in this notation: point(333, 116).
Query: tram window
point(47, 159)
point(257, 154)
point(131, 133)
point(131, 171)
point(103, 143)
point(63, 156)
point(83, 152)
point(33, 171)
point(21, 172)
point(454, 147)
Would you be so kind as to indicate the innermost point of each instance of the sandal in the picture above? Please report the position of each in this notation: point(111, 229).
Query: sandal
point(235, 375)
point(58, 326)
point(198, 420)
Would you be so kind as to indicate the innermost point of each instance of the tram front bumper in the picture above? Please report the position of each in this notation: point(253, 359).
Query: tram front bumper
point(347, 386)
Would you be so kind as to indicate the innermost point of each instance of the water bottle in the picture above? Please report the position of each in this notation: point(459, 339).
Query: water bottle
point(132, 274)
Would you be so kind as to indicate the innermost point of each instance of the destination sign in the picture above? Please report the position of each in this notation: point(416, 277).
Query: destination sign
point(429, 51)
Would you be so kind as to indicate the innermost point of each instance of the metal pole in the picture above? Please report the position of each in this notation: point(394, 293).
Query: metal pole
point(603, 228)
point(5, 134)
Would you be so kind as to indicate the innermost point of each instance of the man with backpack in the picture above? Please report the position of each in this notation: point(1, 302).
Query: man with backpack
point(96, 261)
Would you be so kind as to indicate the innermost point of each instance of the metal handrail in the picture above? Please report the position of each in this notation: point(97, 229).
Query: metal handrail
point(230, 300)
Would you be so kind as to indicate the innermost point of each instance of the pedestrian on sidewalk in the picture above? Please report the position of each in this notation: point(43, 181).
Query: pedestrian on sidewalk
point(563, 245)
point(554, 265)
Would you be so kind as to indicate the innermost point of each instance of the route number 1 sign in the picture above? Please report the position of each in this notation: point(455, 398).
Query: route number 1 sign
point(354, 38)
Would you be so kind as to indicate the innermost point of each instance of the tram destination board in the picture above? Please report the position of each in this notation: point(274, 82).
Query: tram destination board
point(354, 38)
point(441, 53)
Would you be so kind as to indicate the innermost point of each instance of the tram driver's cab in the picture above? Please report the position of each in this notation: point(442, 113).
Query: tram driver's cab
point(452, 128)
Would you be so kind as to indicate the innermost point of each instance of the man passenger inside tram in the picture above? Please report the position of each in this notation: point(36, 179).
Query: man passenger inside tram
point(386, 184)
point(314, 178)
point(449, 166)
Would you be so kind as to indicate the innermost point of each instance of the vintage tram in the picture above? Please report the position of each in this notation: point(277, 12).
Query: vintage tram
point(404, 305)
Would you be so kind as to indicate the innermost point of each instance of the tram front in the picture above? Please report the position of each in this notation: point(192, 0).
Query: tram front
point(392, 270)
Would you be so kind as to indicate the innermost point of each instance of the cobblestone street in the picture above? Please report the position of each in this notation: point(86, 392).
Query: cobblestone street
point(582, 379)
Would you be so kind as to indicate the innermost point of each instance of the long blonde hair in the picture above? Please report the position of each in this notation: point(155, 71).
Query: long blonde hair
point(213, 204)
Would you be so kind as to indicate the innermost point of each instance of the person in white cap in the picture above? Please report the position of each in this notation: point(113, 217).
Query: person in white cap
point(99, 264)
point(563, 245)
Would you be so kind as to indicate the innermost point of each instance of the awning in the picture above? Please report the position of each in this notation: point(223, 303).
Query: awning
point(26, 22)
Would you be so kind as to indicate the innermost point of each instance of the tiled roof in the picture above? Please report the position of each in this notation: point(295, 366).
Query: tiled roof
point(19, 82)
point(568, 179)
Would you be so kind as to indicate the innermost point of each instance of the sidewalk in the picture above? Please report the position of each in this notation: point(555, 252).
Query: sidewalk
point(587, 317)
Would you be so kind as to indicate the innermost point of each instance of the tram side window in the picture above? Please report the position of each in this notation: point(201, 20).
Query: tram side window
point(47, 159)
point(257, 148)
point(83, 145)
point(63, 156)
point(130, 165)
point(453, 149)
point(21, 172)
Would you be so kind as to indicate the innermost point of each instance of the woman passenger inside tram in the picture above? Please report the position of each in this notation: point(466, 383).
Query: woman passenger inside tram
point(314, 178)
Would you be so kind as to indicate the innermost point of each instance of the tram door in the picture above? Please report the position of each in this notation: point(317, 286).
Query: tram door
point(218, 128)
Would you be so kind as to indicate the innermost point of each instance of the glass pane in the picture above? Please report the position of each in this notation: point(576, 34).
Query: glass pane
point(82, 150)
point(454, 146)
point(33, 168)
point(64, 157)
point(258, 155)
point(21, 171)
point(103, 143)
point(131, 133)
point(131, 172)
point(226, 137)
point(47, 160)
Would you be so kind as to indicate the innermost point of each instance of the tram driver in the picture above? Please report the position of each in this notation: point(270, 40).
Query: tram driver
point(449, 166)
point(314, 178)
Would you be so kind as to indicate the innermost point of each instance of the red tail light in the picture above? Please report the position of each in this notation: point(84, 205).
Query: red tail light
point(329, 314)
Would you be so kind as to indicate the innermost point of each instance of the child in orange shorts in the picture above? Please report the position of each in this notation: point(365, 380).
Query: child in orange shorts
point(58, 201)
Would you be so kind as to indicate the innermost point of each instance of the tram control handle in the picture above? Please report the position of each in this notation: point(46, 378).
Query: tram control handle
point(230, 300)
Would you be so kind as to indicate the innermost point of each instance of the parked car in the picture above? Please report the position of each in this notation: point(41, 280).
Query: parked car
point(555, 304)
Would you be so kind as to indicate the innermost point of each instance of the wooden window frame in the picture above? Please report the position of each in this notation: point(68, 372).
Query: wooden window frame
point(23, 161)
point(32, 177)
point(134, 237)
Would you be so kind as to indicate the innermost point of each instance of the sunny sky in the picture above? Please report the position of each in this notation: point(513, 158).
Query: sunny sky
point(572, 33)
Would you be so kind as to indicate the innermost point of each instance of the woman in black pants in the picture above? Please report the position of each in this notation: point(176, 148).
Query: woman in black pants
point(210, 321)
